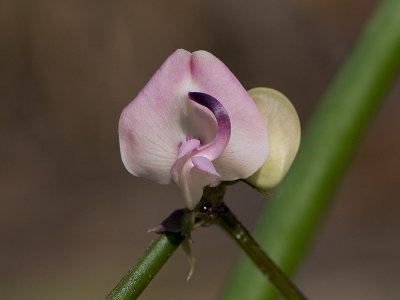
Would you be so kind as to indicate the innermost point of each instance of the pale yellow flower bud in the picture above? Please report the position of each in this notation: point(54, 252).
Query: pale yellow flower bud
point(283, 127)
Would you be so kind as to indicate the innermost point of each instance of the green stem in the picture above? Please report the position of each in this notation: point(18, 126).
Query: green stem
point(289, 222)
point(139, 276)
point(210, 210)
point(234, 228)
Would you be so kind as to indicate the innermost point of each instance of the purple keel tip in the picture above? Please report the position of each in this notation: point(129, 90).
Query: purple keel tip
point(224, 124)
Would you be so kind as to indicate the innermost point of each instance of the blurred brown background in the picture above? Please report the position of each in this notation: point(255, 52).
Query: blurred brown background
point(72, 220)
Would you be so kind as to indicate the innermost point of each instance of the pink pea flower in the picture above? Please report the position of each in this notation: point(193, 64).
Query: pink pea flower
point(193, 124)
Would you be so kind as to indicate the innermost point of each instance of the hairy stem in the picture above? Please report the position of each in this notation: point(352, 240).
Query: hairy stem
point(210, 210)
point(234, 228)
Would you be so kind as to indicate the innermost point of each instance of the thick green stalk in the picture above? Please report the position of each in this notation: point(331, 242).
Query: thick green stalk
point(139, 276)
point(289, 222)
